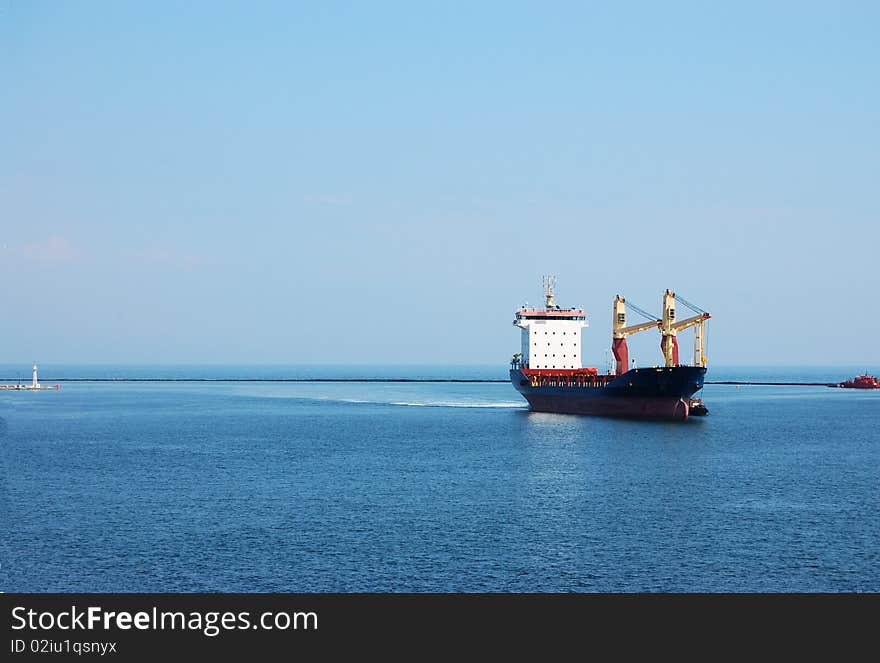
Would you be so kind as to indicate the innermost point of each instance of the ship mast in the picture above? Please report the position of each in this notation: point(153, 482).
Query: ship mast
point(549, 292)
point(668, 331)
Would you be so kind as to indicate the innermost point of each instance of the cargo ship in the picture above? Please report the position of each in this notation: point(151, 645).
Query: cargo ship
point(548, 370)
point(861, 382)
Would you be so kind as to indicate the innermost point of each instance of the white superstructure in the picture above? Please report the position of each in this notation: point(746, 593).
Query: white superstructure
point(551, 337)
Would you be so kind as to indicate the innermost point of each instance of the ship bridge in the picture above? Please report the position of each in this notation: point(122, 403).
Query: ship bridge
point(556, 314)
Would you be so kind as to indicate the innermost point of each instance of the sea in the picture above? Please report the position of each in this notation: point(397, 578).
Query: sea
point(241, 482)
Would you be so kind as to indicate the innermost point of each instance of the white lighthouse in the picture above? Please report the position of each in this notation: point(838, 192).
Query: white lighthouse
point(34, 385)
point(551, 337)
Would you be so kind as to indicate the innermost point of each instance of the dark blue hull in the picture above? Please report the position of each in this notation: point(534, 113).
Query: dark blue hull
point(656, 393)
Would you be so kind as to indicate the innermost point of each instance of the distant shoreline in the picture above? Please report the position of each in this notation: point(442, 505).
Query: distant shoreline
point(380, 380)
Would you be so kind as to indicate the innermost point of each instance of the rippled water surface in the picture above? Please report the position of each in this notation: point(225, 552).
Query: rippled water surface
point(226, 486)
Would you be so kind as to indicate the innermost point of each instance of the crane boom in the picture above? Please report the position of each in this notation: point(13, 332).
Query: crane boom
point(698, 322)
point(690, 322)
point(635, 329)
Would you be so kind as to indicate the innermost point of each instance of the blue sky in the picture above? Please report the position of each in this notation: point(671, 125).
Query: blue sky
point(386, 182)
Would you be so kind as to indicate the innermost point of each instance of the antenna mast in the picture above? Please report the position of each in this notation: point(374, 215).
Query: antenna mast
point(549, 294)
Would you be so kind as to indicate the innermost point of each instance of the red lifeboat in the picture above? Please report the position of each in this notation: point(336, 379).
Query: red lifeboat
point(862, 382)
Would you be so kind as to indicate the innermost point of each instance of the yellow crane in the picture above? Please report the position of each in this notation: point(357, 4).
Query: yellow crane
point(621, 331)
point(669, 329)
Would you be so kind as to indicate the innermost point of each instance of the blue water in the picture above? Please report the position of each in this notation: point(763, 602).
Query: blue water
point(226, 486)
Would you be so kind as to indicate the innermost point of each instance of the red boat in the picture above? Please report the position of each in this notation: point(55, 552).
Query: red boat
point(862, 382)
